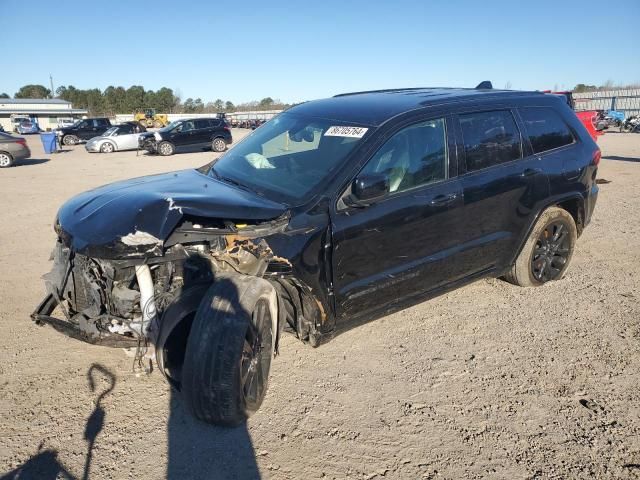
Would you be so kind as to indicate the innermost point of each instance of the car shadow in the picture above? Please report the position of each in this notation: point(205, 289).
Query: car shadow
point(30, 161)
point(621, 159)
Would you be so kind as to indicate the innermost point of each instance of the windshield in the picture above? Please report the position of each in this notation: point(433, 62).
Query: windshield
point(110, 132)
point(289, 156)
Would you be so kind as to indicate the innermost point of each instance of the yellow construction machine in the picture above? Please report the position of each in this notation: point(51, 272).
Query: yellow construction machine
point(149, 118)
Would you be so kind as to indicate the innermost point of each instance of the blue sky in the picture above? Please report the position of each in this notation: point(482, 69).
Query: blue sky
point(296, 50)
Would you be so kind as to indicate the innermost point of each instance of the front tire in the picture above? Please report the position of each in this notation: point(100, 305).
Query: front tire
point(229, 350)
point(6, 160)
point(70, 140)
point(548, 251)
point(218, 145)
point(166, 148)
point(107, 147)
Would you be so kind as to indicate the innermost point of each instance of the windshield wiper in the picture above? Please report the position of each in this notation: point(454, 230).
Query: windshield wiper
point(233, 182)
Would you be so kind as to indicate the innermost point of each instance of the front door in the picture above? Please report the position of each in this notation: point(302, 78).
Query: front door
point(403, 243)
point(183, 134)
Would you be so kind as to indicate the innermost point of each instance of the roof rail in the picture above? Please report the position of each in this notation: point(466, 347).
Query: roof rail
point(385, 90)
point(486, 85)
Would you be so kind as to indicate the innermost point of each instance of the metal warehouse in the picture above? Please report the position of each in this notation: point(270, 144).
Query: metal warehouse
point(46, 111)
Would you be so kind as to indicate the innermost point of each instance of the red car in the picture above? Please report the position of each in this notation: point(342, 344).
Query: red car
point(587, 117)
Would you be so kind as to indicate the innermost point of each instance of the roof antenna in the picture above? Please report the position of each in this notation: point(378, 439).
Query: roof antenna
point(486, 85)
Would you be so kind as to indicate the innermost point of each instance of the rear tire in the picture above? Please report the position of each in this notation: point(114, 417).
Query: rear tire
point(547, 253)
point(218, 145)
point(166, 148)
point(6, 160)
point(229, 350)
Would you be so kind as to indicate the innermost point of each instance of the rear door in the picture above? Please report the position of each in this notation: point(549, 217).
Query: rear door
point(203, 132)
point(403, 243)
point(126, 139)
point(87, 129)
point(502, 184)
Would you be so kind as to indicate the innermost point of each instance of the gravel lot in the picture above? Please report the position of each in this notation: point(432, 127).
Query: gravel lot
point(489, 381)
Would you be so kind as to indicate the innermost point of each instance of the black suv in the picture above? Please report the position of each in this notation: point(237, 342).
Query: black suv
point(336, 210)
point(83, 130)
point(197, 132)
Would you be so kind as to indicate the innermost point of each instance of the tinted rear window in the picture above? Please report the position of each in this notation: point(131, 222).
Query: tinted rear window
point(546, 128)
point(490, 138)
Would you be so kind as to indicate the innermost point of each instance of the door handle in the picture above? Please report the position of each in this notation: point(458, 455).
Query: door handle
point(530, 171)
point(442, 200)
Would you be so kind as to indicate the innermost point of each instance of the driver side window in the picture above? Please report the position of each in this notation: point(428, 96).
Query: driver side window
point(415, 156)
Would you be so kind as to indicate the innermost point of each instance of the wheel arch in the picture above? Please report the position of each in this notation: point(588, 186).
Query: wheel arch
point(571, 202)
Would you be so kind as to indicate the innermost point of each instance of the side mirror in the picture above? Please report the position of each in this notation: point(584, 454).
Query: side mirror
point(370, 187)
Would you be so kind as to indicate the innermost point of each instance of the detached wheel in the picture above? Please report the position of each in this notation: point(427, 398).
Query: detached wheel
point(107, 147)
point(218, 145)
point(547, 253)
point(229, 350)
point(70, 140)
point(166, 148)
point(6, 160)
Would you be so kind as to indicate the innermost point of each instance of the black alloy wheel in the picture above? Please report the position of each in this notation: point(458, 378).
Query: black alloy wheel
point(551, 253)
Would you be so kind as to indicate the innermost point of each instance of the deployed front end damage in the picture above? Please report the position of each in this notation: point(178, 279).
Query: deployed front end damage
point(122, 301)
point(134, 276)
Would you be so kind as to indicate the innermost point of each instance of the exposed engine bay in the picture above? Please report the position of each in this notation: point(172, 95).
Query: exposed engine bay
point(137, 300)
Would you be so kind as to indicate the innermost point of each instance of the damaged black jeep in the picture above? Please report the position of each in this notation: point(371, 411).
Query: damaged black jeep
point(338, 209)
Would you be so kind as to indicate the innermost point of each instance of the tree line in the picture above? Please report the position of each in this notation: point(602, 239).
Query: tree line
point(113, 100)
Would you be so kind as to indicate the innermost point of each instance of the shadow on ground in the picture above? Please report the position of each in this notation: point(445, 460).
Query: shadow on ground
point(45, 465)
point(621, 159)
point(198, 450)
point(31, 161)
point(195, 449)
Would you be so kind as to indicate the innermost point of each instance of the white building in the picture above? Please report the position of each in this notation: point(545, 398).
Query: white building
point(45, 111)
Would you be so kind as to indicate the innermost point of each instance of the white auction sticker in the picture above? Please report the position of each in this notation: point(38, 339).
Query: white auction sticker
point(353, 132)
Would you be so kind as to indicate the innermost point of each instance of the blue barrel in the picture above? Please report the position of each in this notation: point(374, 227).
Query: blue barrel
point(49, 142)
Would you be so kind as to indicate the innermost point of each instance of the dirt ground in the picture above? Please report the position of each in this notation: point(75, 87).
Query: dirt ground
point(489, 381)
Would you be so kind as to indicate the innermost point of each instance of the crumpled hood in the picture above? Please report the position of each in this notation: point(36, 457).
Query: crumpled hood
point(137, 215)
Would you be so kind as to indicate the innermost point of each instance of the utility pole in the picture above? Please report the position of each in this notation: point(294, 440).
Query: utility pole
point(53, 92)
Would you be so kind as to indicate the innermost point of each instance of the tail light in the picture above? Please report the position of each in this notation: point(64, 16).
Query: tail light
point(597, 155)
point(22, 142)
point(226, 127)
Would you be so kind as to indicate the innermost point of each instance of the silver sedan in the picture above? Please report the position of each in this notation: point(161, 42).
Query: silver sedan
point(120, 137)
point(12, 149)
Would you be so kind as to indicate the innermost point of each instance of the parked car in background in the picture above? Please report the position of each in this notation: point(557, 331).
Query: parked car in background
point(120, 137)
point(16, 120)
point(65, 122)
point(28, 126)
point(83, 130)
point(199, 132)
point(589, 118)
point(337, 211)
point(12, 149)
